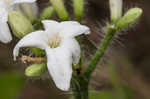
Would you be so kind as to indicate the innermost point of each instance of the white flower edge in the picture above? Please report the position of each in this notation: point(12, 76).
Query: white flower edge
point(22, 1)
point(61, 58)
point(5, 35)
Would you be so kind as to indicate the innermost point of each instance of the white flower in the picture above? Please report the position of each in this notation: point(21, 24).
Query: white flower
point(61, 48)
point(116, 9)
point(7, 6)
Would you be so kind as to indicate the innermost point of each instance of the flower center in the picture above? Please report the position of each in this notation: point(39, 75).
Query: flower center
point(55, 41)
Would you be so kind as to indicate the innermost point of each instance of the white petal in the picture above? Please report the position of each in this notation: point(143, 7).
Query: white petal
point(3, 4)
point(51, 26)
point(60, 67)
point(72, 29)
point(3, 15)
point(60, 62)
point(116, 8)
point(36, 39)
point(22, 1)
point(70, 22)
point(5, 35)
point(74, 47)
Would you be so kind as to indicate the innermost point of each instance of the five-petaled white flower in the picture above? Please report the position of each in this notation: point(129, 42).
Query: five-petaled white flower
point(61, 48)
point(7, 6)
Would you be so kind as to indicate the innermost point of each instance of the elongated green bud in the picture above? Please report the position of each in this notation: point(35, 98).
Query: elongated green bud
point(35, 70)
point(78, 9)
point(131, 16)
point(115, 10)
point(60, 9)
point(19, 24)
point(47, 13)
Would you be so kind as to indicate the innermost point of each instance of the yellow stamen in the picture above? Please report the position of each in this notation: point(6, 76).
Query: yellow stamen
point(55, 41)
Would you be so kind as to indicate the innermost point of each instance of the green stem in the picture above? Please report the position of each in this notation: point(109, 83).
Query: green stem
point(100, 52)
point(80, 87)
point(80, 82)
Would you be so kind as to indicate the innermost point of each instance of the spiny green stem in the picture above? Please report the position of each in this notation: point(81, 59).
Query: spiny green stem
point(100, 52)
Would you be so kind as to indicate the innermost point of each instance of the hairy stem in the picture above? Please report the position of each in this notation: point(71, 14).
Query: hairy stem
point(80, 82)
point(100, 52)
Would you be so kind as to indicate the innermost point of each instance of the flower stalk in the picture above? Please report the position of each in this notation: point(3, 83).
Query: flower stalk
point(101, 50)
point(80, 87)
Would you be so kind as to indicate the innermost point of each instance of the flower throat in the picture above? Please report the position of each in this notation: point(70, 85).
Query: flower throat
point(55, 41)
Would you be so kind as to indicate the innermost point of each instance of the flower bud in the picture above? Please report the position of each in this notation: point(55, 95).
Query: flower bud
point(78, 9)
point(29, 10)
point(35, 70)
point(47, 13)
point(19, 24)
point(115, 10)
point(131, 16)
point(60, 9)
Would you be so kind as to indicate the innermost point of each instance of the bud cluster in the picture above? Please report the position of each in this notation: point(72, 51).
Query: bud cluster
point(129, 18)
